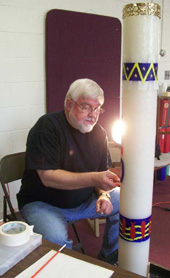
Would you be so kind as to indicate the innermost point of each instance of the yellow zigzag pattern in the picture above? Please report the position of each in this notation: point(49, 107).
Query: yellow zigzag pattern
point(136, 66)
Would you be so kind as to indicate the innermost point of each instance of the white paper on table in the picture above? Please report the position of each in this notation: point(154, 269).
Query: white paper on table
point(65, 266)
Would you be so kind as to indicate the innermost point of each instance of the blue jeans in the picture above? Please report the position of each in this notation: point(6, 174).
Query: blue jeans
point(51, 222)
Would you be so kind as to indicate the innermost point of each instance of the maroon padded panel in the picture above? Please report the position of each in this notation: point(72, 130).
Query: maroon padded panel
point(80, 45)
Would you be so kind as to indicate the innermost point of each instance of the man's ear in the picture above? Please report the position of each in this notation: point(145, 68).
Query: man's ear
point(69, 104)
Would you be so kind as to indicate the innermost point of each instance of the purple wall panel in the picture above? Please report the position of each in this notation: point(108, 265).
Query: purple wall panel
point(80, 45)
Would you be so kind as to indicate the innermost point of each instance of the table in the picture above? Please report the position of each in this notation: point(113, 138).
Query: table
point(159, 164)
point(47, 246)
point(163, 162)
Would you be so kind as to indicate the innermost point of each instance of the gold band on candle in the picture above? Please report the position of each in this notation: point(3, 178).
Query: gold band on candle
point(142, 9)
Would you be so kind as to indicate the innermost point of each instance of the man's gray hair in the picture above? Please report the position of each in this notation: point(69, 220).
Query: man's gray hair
point(86, 88)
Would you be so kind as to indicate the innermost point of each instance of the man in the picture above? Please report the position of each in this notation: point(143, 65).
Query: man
point(66, 176)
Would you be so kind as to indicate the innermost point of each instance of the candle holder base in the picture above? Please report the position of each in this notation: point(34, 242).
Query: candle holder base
point(157, 271)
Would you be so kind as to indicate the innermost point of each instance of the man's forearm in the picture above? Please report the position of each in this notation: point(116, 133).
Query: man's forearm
point(61, 179)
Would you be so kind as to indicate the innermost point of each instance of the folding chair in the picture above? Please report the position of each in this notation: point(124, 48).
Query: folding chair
point(11, 169)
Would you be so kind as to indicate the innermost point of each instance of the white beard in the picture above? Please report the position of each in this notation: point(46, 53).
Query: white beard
point(84, 128)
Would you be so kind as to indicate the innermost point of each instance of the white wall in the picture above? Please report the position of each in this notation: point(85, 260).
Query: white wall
point(22, 72)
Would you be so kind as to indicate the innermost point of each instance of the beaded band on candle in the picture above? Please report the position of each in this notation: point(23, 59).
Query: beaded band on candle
point(140, 72)
point(142, 9)
point(134, 230)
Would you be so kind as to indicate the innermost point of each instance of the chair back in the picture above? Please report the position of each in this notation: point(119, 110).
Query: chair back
point(11, 169)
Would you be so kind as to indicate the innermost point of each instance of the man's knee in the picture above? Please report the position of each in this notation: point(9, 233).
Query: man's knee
point(58, 236)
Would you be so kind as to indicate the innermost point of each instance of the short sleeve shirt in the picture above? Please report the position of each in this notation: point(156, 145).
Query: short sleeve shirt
point(54, 144)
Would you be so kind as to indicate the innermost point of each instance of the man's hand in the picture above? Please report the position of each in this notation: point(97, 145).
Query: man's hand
point(107, 180)
point(103, 205)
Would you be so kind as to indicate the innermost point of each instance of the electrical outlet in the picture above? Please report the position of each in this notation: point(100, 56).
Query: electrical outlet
point(167, 74)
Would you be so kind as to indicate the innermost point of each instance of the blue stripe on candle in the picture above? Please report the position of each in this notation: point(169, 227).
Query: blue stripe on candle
point(123, 170)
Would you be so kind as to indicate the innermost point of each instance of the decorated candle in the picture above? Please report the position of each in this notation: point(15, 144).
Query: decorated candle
point(141, 30)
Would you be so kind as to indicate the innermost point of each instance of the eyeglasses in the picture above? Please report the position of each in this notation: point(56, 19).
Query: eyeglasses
point(87, 108)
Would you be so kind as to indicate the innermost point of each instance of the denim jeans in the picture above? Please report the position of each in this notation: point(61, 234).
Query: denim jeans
point(51, 222)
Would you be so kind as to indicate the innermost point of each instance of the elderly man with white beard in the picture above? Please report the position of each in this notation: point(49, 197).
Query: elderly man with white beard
point(67, 175)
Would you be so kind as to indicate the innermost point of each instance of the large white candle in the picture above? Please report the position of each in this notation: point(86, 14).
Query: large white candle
point(139, 100)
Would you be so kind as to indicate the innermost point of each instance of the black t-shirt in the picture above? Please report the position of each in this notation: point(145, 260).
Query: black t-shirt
point(54, 144)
